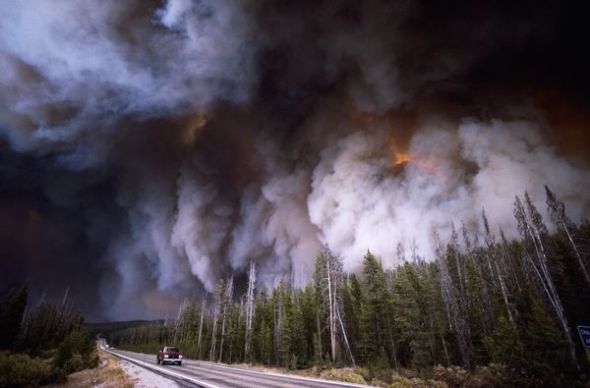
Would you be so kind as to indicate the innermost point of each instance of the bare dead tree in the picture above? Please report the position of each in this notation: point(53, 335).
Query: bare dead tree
point(61, 319)
point(250, 310)
point(319, 339)
point(203, 306)
point(454, 314)
point(278, 301)
point(493, 257)
point(178, 324)
point(557, 212)
point(330, 283)
point(217, 310)
point(227, 299)
point(484, 295)
point(531, 227)
point(332, 310)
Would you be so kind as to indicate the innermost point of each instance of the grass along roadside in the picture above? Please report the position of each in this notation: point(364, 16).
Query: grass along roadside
point(108, 374)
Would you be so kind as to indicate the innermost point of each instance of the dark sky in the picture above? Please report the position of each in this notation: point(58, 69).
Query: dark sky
point(150, 148)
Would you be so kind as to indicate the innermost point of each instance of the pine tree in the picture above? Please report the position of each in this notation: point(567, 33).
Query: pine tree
point(310, 310)
point(409, 319)
point(262, 340)
point(278, 306)
point(11, 316)
point(375, 347)
point(286, 338)
point(479, 281)
point(352, 302)
point(435, 307)
point(298, 357)
point(556, 210)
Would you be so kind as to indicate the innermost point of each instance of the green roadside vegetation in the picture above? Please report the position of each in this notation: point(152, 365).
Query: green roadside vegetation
point(42, 345)
point(108, 374)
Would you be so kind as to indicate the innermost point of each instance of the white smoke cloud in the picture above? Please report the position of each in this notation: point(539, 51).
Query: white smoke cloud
point(74, 63)
point(514, 157)
point(203, 221)
point(104, 87)
point(351, 201)
point(288, 229)
point(358, 203)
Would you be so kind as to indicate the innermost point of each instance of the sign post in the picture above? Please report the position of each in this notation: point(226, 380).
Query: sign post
point(584, 332)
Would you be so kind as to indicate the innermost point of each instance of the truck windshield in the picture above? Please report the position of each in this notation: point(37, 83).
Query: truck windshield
point(170, 349)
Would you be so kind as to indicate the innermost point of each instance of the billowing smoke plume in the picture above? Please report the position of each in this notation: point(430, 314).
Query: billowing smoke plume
point(151, 148)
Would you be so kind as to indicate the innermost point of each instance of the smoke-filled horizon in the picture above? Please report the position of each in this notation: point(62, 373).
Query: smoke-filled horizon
point(149, 149)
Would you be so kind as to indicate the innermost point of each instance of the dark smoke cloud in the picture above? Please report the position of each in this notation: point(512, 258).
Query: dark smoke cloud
point(150, 148)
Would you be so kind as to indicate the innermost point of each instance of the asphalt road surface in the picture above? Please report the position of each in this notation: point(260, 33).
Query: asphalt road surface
point(212, 375)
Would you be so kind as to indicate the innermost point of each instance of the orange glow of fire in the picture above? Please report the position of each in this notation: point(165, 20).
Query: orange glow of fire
point(400, 158)
point(398, 155)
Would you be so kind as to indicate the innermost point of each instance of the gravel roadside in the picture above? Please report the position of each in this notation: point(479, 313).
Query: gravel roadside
point(143, 378)
point(113, 372)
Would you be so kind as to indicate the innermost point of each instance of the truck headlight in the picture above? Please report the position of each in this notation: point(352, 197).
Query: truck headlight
point(165, 356)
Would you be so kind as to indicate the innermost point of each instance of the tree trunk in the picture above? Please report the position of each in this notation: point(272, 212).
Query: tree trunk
point(331, 309)
point(250, 311)
point(203, 305)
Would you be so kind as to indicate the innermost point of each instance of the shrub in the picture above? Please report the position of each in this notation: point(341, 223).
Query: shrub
point(76, 352)
point(20, 370)
point(415, 382)
point(64, 353)
point(454, 376)
point(344, 374)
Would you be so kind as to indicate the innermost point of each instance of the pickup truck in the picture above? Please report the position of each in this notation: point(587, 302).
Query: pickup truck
point(169, 355)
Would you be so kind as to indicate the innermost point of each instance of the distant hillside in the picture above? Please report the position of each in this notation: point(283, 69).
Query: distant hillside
point(106, 328)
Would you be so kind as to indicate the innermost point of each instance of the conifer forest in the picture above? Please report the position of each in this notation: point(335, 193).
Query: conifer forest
point(483, 303)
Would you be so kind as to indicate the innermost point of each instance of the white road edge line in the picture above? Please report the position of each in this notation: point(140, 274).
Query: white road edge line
point(163, 370)
point(295, 377)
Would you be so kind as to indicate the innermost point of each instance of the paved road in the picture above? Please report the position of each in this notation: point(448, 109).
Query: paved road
point(212, 375)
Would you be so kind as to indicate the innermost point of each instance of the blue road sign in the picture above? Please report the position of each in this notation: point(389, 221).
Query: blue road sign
point(584, 332)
